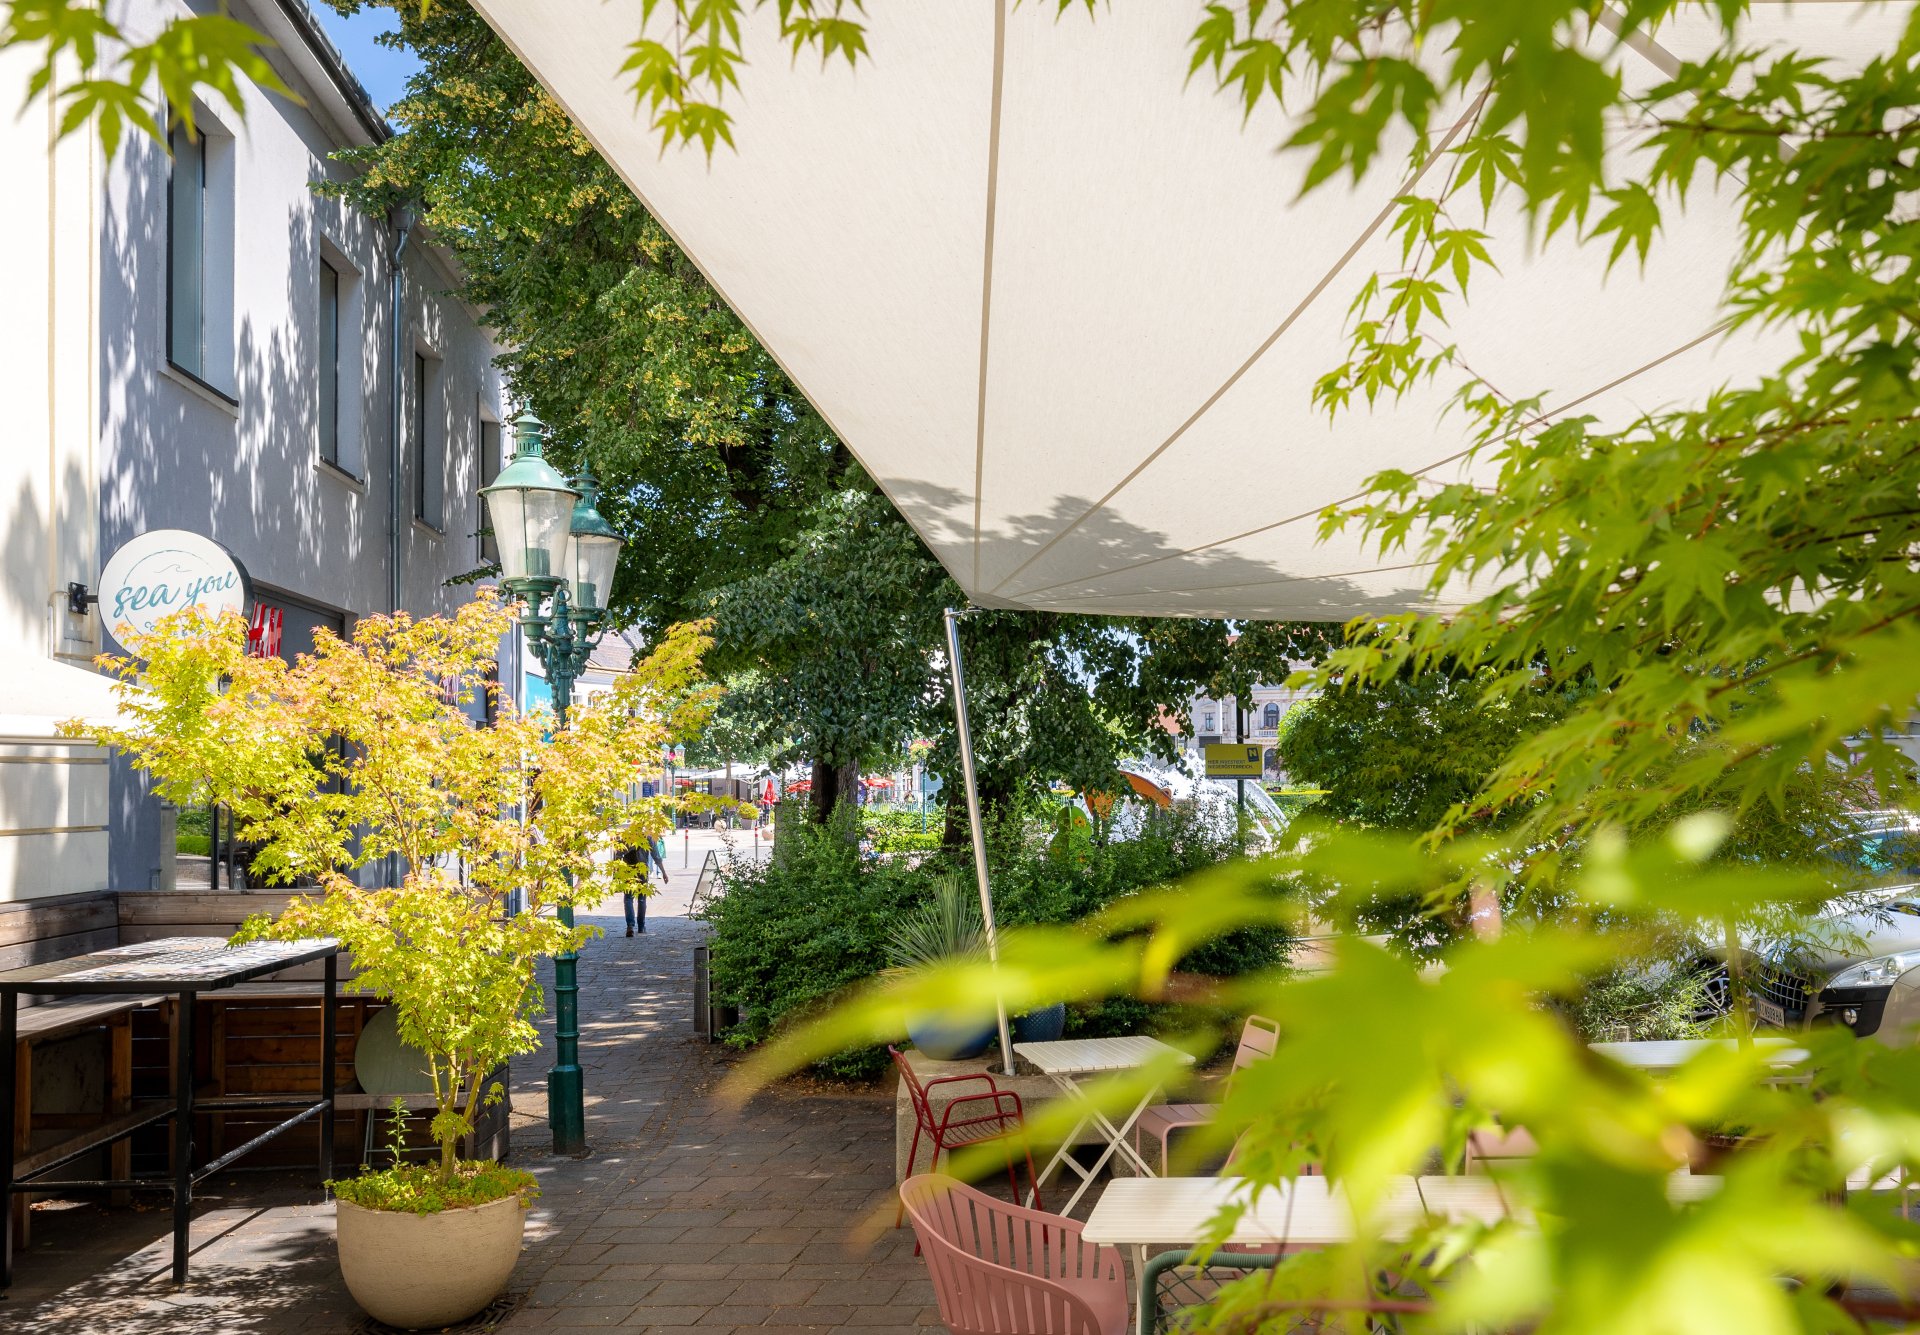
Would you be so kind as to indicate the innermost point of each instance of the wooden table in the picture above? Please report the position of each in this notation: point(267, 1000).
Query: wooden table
point(183, 966)
point(1068, 1061)
point(1667, 1055)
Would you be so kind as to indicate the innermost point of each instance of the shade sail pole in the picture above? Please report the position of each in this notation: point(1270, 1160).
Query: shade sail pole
point(973, 820)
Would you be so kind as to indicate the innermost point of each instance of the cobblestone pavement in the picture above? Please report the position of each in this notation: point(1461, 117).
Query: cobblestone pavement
point(683, 1215)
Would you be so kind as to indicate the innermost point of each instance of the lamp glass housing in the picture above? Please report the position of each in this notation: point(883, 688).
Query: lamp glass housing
point(530, 531)
point(531, 506)
point(590, 561)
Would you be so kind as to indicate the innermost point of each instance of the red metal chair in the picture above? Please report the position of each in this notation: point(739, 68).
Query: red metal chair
point(1001, 1269)
point(965, 1119)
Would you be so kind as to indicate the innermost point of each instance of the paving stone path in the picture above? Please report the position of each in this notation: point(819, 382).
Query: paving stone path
point(685, 1215)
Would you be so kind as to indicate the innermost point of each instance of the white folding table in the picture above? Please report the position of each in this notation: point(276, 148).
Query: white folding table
point(1307, 1212)
point(1662, 1056)
point(1067, 1062)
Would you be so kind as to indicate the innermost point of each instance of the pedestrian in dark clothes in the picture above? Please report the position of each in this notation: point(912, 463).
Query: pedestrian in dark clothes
point(638, 855)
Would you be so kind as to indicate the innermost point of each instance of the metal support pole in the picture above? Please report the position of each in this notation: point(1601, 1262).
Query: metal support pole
point(1240, 785)
point(973, 819)
point(182, 1133)
point(566, 1083)
point(9, 1036)
point(329, 1027)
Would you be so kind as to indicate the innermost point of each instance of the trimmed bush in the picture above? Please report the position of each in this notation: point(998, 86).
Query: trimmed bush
point(792, 932)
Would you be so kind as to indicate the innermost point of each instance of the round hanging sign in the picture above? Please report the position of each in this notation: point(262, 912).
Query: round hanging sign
point(165, 571)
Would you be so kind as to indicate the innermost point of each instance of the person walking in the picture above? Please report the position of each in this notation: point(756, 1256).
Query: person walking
point(638, 855)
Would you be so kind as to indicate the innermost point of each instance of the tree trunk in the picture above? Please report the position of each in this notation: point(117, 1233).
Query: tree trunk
point(832, 785)
point(956, 835)
point(824, 794)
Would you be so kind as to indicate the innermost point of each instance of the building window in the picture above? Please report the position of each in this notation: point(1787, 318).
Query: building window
point(429, 482)
point(489, 470)
point(200, 257)
point(329, 367)
point(1208, 726)
point(1270, 716)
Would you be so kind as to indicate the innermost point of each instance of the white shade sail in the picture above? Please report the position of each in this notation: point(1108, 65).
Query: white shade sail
point(1068, 309)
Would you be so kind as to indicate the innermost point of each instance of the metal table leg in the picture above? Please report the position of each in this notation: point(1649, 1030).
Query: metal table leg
point(329, 1010)
point(9, 1037)
point(1064, 1155)
point(182, 1133)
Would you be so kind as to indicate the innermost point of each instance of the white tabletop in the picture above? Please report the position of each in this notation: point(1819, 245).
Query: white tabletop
point(1140, 1211)
point(1088, 1056)
point(1671, 1054)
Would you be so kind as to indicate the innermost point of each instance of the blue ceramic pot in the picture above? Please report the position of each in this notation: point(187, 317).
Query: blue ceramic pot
point(1041, 1026)
point(949, 1042)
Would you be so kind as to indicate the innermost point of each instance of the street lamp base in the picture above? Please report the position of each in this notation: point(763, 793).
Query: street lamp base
point(565, 1088)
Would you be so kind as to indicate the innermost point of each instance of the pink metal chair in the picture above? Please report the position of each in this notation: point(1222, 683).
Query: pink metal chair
point(1258, 1039)
point(1001, 1269)
point(966, 1119)
point(1488, 1149)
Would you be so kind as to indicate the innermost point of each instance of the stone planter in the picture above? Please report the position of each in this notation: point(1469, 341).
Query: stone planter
point(424, 1271)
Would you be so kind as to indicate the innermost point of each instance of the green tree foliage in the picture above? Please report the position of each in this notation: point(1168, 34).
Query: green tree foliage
point(1404, 753)
point(104, 76)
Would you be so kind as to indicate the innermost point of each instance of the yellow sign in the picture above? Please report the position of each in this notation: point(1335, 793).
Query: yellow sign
point(1233, 760)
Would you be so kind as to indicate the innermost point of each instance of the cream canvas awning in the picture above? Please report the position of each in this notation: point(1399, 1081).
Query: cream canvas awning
point(1068, 309)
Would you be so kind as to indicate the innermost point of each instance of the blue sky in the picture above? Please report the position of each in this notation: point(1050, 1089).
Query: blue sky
point(383, 73)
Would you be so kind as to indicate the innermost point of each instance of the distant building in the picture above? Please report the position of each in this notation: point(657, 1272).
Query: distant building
point(1221, 721)
point(202, 342)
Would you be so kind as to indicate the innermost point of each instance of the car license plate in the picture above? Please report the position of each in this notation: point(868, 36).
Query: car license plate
point(1770, 1013)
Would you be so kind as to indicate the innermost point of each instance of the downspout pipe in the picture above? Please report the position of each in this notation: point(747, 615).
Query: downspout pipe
point(403, 220)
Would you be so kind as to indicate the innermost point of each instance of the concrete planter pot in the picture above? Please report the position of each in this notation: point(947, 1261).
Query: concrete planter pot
point(424, 1271)
point(946, 1041)
point(1045, 1025)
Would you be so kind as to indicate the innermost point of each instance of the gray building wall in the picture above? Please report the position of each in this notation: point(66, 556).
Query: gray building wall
point(244, 466)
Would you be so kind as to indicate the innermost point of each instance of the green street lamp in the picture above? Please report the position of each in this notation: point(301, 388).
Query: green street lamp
point(557, 553)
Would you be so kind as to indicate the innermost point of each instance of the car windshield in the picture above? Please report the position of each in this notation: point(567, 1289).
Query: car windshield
point(1889, 854)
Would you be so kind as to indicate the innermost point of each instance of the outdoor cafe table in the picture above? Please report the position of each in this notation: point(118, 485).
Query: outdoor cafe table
point(1067, 1062)
point(1306, 1212)
point(1664, 1056)
point(185, 966)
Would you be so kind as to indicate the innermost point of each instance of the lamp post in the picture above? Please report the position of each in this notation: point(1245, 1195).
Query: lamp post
point(557, 554)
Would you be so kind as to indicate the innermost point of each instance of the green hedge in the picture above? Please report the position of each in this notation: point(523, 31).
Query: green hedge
point(791, 933)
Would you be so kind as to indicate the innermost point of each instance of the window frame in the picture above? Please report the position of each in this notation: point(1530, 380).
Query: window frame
point(427, 386)
point(487, 432)
point(327, 365)
point(210, 364)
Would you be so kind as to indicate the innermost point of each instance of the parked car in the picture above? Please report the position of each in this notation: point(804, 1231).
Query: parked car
point(1861, 965)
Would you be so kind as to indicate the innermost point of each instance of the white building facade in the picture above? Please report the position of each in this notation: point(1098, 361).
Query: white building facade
point(1225, 721)
point(203, 342)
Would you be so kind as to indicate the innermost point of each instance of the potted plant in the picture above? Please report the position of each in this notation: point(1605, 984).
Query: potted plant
point(368, 750)
point(946, 928)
